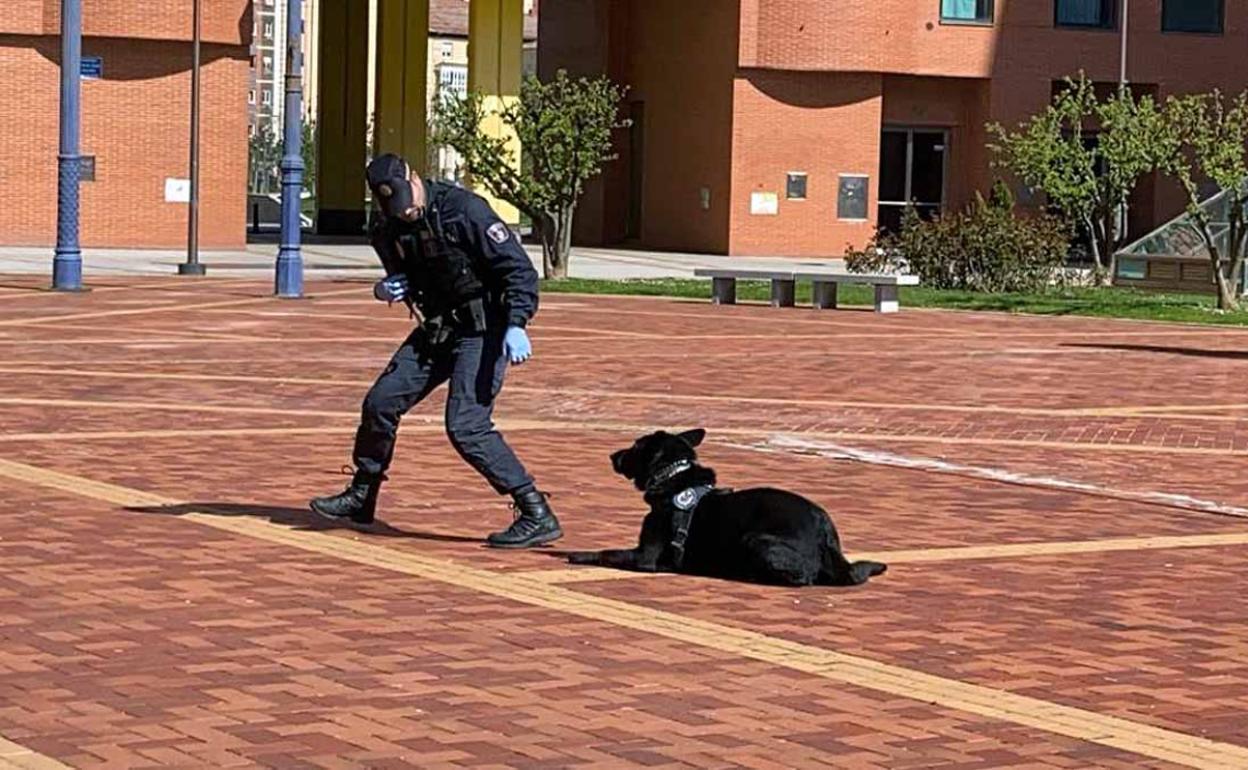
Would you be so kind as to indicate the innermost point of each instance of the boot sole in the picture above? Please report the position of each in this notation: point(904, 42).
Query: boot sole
point(340, 519)
point(545, 539)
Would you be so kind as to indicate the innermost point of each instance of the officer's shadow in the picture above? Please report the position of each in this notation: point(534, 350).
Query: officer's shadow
point(295, 518)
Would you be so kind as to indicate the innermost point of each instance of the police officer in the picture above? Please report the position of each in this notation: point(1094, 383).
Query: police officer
point(450, 258)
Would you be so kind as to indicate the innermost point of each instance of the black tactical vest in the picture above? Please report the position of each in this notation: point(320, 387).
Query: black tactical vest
point(443, 272)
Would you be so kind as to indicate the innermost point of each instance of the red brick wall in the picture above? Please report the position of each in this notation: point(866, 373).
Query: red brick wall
point(224, 21)
point(136, 124)
point(23, 17)
point(824, 124)
point(891, 36)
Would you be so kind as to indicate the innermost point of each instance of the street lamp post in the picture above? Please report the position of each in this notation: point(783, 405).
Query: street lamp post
point(192, 265)
point(67, 263)
point(1123, 85)
point(1122, 61)
point(289, 280)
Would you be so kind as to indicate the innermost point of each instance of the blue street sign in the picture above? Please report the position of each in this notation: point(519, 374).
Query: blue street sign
point(92, 67)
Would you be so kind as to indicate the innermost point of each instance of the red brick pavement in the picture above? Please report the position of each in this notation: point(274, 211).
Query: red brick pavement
point(140, 639)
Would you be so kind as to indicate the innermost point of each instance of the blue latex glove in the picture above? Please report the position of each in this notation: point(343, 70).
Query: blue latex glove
point(391, 289)
point(516, 345)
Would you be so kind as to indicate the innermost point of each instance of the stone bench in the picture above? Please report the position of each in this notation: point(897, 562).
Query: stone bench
point(784, 285)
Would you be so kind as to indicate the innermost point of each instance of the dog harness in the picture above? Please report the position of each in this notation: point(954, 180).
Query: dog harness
point(684, 503)
point(683, 506)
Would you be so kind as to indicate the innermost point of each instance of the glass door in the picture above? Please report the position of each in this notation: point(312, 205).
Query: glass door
point(912, 172)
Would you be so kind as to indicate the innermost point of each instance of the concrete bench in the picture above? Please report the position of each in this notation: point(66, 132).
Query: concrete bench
point(784, 285)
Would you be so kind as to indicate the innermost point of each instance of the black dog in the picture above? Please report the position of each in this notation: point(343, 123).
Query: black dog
point(759, 535)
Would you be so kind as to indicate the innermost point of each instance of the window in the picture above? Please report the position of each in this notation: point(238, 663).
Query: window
point(452, 80)
point(266, 96)
point(268, 30)
point(251, 96)
point(795, 190)
point(267, 69)
point(448, 49)
point(1085, 13)
point(966, 11)
point(1192, 16)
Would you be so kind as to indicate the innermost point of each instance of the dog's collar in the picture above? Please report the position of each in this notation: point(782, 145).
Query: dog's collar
point(684, 503)
point(667, 473)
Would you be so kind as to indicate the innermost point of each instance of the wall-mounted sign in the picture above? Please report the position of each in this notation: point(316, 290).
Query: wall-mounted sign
point(177, 190)
point(86, 168)
point(795, 186)
point(764, 204)
point(92, 67)
point(851, 201)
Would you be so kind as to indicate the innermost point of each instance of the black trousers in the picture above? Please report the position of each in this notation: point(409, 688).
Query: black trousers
point(475, 367)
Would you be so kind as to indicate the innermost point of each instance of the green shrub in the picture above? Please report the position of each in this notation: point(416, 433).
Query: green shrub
point(984, 248)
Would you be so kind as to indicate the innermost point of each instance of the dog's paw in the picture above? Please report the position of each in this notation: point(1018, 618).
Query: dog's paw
point(582, 557)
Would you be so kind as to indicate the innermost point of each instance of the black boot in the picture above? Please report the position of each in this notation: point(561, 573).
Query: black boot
point(535, 523)
point(357, 503)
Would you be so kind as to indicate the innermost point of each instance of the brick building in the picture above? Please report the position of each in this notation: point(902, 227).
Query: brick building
point(135, 121)
point(794, 127)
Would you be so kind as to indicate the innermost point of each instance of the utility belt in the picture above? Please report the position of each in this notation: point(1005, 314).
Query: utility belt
point(468, 318)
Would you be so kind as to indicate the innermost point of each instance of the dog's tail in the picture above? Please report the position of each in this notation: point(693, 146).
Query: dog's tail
point(839, 571)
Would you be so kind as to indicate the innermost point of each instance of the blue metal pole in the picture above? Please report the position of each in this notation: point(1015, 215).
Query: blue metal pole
point(67, 264)
point(289, 281)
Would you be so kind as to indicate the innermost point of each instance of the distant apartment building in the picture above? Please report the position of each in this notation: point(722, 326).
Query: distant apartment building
point(796, 127)
point(266, 98)
point(448, 63)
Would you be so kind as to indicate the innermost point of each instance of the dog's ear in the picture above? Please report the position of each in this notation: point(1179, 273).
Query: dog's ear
point(694, 437)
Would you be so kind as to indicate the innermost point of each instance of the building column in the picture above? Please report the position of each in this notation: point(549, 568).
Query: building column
point(495, 59)
point(342, 117)
point(402, 80)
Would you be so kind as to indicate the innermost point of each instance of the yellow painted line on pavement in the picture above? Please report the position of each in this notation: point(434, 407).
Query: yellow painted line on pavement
point(1082, 724)
point(1168, 410)
point(14, 756)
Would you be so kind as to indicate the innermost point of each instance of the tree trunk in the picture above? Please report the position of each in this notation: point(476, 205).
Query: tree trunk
point(1110, 252)
point(565, 240)
point(1102, 248)
point(1227, 299)
point(557, 242)
point(550, 240)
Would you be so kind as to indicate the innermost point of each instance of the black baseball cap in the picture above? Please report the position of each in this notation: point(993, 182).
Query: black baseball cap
point(388, 179)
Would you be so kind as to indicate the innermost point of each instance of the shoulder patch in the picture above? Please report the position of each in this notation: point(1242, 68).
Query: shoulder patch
point(499, 232)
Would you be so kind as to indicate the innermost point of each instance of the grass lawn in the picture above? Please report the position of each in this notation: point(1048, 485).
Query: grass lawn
point(1104, 302)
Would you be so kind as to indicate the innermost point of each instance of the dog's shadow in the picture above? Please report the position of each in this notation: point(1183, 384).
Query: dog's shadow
point(296, 518)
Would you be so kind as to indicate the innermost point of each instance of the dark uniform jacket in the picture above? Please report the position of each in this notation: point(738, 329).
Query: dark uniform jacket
point(459, 251)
